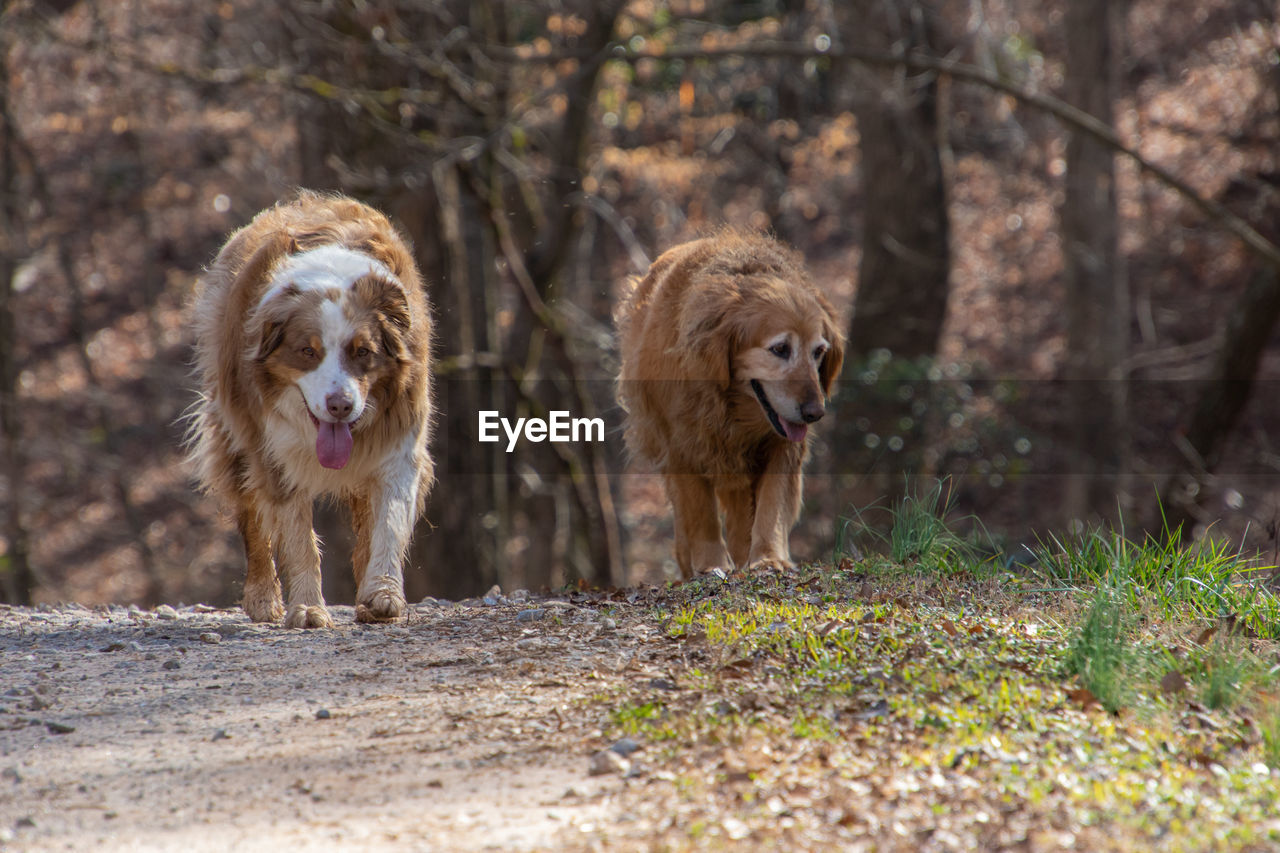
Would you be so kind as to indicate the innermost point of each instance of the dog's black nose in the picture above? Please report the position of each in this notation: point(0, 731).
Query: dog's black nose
point(812, 411)
point(339, 405)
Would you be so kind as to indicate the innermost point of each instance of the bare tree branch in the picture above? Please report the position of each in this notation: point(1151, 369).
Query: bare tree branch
point(1071, 116)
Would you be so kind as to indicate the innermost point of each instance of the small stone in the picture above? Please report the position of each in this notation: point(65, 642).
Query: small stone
point(112, 647)
point(172, 663)
point(662, 684)
point(624, 746)
point(58, 728)
point(12, 774)
point(220, 734)
point(491, 601)
point(211, 637)
point(532, 615)
point(164, 611)
point(25, 822)
point(735, 829)
point(323, 714)
point(607, 624)
point(203, 608)
point(520, 595)
point(495, 591)
point(39, 703)
point(605, 762)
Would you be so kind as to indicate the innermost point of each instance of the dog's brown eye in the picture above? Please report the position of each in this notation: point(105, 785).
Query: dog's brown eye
point(363, 352)
point(782, 350)
point(308, 352)
point(819, 353)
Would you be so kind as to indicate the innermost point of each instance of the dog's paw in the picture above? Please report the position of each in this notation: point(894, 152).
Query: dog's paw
point(303, 616)
point(385, 604)
point(719, 572)
point(264, 607)
point(764, 564)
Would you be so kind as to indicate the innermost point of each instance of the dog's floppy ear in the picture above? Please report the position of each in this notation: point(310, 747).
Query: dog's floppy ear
point(270, 317)
point(708, 334)
point(829, 369)
point(389, 301)
point(270, 320)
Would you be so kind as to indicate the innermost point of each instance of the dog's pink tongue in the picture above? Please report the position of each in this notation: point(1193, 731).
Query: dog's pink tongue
point(795, 432)
point(333, 444)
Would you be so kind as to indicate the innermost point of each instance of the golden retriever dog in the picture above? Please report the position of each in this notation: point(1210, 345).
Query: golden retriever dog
point(728, 354)
point(312, 341)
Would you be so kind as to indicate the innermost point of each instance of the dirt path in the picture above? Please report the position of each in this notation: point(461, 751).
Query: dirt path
point(196, 729)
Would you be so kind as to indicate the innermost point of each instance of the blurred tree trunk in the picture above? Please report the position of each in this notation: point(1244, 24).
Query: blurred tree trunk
point(1222, 398)
point(903, 279)
point(1097, 306)
point(17, 580)
point(904, 275)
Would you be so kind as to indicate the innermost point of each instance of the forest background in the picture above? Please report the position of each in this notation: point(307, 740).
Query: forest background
point(1050, 225)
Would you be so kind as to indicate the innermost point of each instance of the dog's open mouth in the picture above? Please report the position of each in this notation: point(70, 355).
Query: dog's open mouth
point(333, 442)
point(784, 427)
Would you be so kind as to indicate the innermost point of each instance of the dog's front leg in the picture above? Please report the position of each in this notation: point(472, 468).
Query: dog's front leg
point(262, 600)
point(298, 562)
point(389, 513)
point(777, 508)
point(699, 545)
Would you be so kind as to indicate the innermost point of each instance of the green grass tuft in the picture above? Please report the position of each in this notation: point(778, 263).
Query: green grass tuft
point(920, 535)
point(1205, 580)
point(1101, 654)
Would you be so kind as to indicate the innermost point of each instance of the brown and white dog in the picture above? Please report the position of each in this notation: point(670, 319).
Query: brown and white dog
point(312, 344)
point(728, 354)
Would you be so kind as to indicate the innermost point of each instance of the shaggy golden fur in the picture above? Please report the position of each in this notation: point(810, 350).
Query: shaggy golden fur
point(312, 341)
point(728, 353)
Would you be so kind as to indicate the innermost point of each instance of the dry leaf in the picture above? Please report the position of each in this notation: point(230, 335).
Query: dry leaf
point(1206, 635)
point(1084, 696)
point(833, 625)
point(1173, 682)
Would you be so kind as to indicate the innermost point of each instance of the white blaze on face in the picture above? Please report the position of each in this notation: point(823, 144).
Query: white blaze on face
point(323, 268)
point(330, 377)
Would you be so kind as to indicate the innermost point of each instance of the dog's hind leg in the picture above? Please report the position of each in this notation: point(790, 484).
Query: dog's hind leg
point(298, 560)
point(362, 526)
point(739, 514)
point(699, 545)
point(261, 586)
